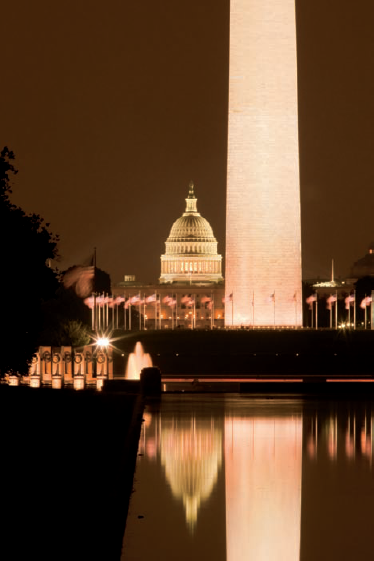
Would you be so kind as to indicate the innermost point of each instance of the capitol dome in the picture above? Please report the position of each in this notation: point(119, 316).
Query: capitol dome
point(191, 248)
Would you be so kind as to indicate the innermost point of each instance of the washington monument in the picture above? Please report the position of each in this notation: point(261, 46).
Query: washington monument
point(263, 232)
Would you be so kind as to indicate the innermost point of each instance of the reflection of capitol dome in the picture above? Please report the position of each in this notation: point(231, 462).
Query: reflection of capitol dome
point(192, 457)
point(191, 248)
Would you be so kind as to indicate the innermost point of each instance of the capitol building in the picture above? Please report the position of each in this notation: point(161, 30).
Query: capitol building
point(190, 290)
point(191, 249)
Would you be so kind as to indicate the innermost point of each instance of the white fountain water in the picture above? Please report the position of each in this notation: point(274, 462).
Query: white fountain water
point(136, 362)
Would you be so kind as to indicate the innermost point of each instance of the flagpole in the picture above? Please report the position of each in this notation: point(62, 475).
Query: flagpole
point(336, 310)
point(330, 314)
point(156, 312)
point(354, 311)
point(211, 310)
point(139, 311)
point(349, 311)
point(317, 311)
point(94, 293)
point(93, 312)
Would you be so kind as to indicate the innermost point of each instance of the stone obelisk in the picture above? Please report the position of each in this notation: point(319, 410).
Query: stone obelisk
point(263, 232)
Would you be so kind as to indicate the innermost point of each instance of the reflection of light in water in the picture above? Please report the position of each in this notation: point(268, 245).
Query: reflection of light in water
point(332, 438)
point(147, 419)
point(191, 456)
point(263, 488)
point(311, 447)
point(356, 437)
point(137, 361)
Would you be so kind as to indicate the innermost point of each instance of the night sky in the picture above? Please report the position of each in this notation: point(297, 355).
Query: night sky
point(112, 108)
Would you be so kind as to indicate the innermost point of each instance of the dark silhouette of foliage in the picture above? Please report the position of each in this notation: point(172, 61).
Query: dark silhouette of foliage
point(58, 313)
point(102, 282)
point(26, 280)
point(363, 287)
point(67, 309)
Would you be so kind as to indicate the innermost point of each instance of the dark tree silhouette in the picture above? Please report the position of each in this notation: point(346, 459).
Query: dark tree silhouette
point(26, 281)
point(102, 282)
point(363, 287)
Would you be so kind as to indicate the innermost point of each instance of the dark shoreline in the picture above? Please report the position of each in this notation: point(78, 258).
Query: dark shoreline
point(68, 460)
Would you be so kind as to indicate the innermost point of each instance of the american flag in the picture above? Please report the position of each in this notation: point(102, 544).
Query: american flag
point(312, 298)
point(81, 279)
point(366, 302)
point(330, 300)
point(89, 302)
point(188, 300)
point(348, 300)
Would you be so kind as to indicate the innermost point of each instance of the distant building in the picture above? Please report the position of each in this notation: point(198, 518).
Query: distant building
point(190, 290)
point(191, 249)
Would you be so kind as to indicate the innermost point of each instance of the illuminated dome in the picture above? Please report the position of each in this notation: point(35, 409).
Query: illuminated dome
point(191, 248)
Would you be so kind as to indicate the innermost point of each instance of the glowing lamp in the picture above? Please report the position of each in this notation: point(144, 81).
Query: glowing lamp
point(103, 342)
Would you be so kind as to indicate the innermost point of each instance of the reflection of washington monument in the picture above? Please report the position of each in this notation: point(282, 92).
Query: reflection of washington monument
point(263, 233)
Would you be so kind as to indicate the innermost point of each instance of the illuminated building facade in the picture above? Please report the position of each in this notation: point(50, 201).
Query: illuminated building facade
point(191, 249)
point(190, 291)
point(263, 231)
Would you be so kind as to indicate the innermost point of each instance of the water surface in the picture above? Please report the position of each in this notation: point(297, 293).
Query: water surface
point(229, 477)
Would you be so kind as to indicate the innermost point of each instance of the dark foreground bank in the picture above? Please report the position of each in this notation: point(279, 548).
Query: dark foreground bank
point(67, 464)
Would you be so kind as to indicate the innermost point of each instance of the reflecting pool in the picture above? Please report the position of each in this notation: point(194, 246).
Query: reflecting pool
point(236, 478)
